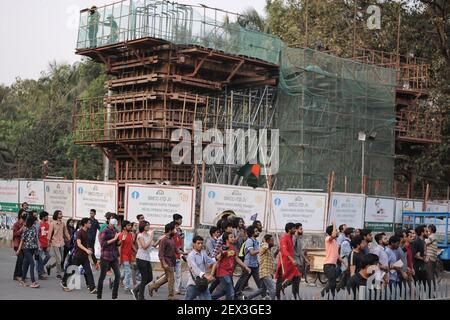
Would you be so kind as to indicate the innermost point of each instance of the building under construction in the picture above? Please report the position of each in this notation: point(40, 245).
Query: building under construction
point(171, 64)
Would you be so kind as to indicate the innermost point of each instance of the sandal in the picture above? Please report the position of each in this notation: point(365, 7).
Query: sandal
point(23, 283)
point(35, 285)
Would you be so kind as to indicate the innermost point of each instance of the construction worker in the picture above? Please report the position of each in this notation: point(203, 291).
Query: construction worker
point(114, 33)
point(93, 23)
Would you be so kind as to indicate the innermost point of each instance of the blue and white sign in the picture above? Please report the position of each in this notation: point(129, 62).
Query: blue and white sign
point(308, 208)
point(248, 203)
point(158, 204)
point(347, 208)
point(101, 196)
point(59, 196)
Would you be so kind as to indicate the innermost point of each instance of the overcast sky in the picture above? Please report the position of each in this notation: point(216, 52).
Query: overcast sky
point(35, 32)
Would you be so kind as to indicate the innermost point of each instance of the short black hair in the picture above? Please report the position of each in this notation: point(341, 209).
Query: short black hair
point(289, 226)
point(369, 260)
point(366, 232)
point(226, 224)
point(250, 231)
point(420, 229)
point(394, 239)
point(298, 225)
point(225, 236)
point(177, 216)
point(400, 233)
point(341, 227)
point(235, 221)
point(142, 226)
point(379, 236)
point(30, 221)
point(197, 238)
point(94, 211)
point(139, 216)
point(329, 230)
point(432, 227)
point(169, 227)
point(108, 215)
point(213, 230)
point(84, 221)
point(267, 237)
point(356, 241)
point(125, 223)
point(19, 215)
point(349, 231)
point(56, 214)
point(255, 223)
point(42, 215)
point(408, 231)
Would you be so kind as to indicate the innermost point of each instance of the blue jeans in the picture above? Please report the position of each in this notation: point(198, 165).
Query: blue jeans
point(127, 275)
point(28, 262)
point(192, 293)
point(42, 262)
point(225, 289)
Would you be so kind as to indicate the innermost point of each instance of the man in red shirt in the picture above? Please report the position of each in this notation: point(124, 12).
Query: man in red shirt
point(43, 240)
point(287, 271)
point(126, 253)
point(227, 258)
point(410, 237)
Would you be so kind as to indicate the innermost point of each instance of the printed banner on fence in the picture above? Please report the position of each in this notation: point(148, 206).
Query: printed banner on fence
point(59, 196)
point(307, 208)
point(32, 192)
point(159, 203)
point(101, 196)
point(437, 207)
point(9, 196)
point(406, 205)
point(379, 214)
point(248, 203)
point(347, 209)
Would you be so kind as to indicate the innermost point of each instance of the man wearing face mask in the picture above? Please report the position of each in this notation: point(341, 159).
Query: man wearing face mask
point(369, 265)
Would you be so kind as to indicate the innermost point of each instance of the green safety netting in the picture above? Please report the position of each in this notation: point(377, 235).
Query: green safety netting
point(323, 101)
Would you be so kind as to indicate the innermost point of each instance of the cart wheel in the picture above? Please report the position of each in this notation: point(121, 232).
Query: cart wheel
point(322, 277)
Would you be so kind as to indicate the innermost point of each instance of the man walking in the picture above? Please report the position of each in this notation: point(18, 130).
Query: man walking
point(92, 233)
point(168, 259)
point(251, 260)
point(198, 262)
point(431, 255)
point(287, 271)
point(179, 243)
point(109, 259)
point(57, 234)
point(125, 254)
point(419, 253)
point(81, 256)
point(43, 240)
point(331, 258)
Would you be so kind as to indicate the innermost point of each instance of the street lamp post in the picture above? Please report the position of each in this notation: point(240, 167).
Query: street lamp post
point(362, 137)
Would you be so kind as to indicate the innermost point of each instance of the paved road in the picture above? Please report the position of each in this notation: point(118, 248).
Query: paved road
point(51, 290)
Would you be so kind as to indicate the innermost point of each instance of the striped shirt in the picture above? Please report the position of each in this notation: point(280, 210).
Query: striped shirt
point(432, 248)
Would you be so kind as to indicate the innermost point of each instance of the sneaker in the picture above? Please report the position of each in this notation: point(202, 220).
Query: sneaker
point(48, 270)
point(58, 276)
point(35, 285)
point(93, 291)
point(42, 277)
point(134, 294)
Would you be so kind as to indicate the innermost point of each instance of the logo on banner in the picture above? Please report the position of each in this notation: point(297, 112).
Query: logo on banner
point(58, 186)
point(47, 188)
point(236, 193)
point(80, 190)
point(160, 193)
point(277, 202)
point(184, 197)
point(211, 194)
point(335, 203)
point(299, 199)
point(95, 188)
point(135, 195)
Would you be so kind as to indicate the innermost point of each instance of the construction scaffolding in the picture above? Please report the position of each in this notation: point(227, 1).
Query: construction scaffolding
point(173, 64)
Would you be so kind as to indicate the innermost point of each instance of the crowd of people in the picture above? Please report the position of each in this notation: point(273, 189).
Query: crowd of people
point(232, 249)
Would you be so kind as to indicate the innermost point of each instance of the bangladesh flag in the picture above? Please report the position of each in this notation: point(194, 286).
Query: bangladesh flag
point(252, 175)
